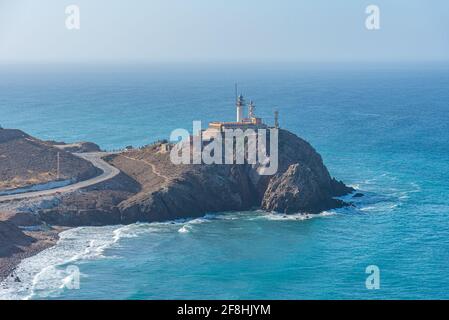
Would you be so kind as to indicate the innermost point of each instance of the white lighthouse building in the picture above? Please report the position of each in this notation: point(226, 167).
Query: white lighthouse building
point(251, 121)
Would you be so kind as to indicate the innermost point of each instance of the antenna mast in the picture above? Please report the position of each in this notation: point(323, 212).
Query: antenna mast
point(58, 167)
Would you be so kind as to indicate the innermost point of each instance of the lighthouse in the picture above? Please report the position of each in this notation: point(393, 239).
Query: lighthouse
point(249, 121)
point(240, 105)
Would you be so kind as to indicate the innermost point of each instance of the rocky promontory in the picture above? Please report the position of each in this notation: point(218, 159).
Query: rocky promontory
point(152, 188)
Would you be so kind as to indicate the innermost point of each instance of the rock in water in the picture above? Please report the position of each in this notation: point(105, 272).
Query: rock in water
point(303, 183)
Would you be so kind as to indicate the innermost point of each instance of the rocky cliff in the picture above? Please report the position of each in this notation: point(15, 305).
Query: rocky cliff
point(12, 239)
point(16, 245)
point(302, 184)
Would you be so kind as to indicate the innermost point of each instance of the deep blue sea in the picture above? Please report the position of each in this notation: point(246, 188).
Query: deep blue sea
point(384, 131)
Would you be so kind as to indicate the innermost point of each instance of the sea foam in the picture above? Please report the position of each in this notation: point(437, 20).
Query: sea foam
point(45, 274)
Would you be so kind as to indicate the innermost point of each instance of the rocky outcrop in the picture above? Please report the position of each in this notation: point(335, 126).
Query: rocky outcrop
point(302, 184)
point(152, 188)
point(16, 245)
point(12, 239)
point(20, 218)
point(93, 206)
point(297, 190)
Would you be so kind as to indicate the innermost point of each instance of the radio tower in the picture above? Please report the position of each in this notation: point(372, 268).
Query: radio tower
point(276, 119)
point(57, 166)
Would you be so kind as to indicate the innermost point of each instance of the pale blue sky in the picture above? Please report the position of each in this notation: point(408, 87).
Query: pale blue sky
point(209, 31)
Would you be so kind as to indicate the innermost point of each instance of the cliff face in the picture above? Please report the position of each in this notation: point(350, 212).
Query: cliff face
point(12, 239)
point(93, 206)
point(16, 245)
point(302, 184)
point(194, 192)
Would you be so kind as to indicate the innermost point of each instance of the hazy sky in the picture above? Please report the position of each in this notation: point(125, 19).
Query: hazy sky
point(211, 31)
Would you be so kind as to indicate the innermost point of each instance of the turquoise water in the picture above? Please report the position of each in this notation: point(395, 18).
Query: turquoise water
point(385, 132)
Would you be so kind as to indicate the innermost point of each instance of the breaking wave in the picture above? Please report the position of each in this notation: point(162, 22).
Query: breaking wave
point(45, 274)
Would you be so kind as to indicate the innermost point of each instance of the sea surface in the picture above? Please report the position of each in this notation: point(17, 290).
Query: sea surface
point(383, 130)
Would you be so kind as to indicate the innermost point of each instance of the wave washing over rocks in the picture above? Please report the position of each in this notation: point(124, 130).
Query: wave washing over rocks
point(47, 274)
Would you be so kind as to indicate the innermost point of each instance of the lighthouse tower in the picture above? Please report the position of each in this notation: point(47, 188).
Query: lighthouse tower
point(240, 105)
point(276, 119)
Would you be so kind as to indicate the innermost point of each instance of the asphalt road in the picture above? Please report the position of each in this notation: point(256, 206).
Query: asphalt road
point(109, 172)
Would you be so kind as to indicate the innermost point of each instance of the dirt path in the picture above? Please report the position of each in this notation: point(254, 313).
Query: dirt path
point(153, 167)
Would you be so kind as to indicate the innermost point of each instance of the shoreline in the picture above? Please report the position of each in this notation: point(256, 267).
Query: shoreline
point(43, 240)
point(144, 185)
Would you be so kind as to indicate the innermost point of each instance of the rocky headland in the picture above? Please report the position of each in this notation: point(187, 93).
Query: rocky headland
point(151, 188)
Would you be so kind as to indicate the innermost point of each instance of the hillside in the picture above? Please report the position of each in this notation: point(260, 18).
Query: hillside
point(152, 188)
point(12, 239)
point(25, 161)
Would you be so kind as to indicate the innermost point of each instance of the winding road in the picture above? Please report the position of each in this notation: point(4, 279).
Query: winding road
point(95, 158)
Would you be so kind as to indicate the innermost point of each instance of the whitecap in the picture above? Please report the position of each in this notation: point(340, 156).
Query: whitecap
point(131, 231)
point(274, 216)
point(184, 229)
point(380, 207)
point(198, 221)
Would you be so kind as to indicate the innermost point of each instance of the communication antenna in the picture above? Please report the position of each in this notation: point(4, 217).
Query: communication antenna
point(276, 119)
point(57, 166)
